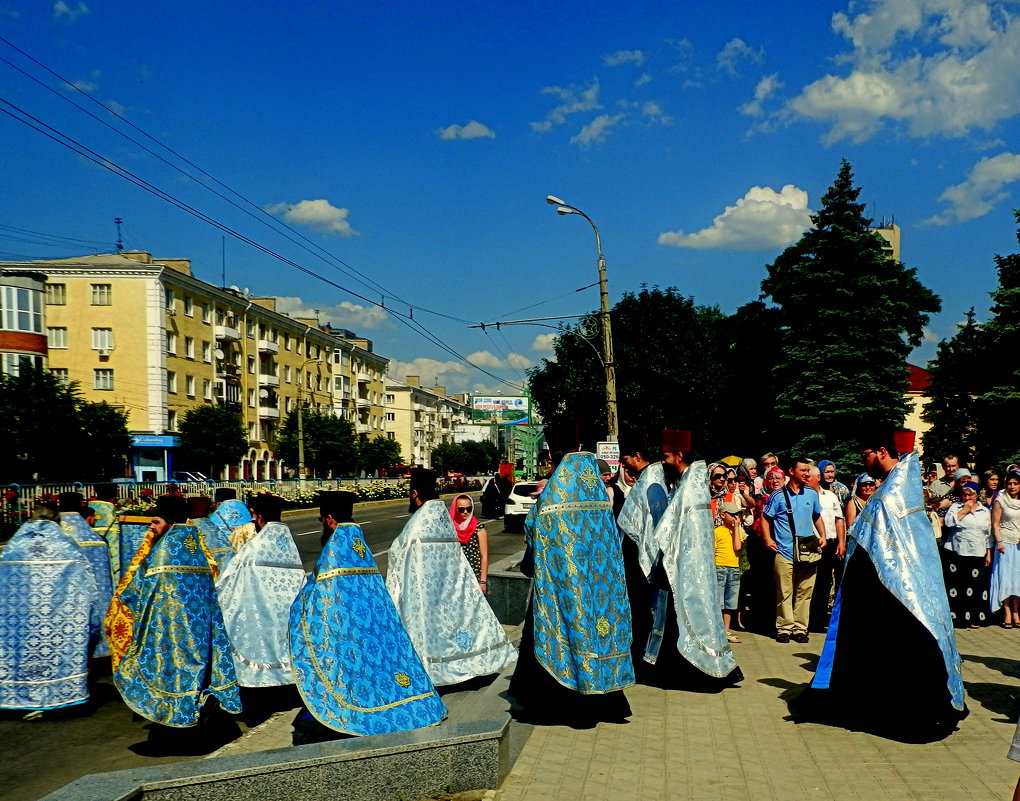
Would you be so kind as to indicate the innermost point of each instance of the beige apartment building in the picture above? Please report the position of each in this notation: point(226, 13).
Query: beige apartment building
point(359, 382)
point(149, 338)
point(421, 418)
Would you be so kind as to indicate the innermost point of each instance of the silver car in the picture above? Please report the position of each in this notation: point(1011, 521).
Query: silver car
point(518, 504)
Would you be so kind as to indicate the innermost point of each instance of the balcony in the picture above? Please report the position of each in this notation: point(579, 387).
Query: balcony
point(224, 370)
point(269, 413)
point(364, 378)
point(419, 426)
point(268, 346)
point(364, 428)
point(268, 380)
point(364, 403)
point(226, 333)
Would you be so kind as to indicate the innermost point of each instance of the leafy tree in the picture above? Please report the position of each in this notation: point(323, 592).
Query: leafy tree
point(998, 407)
point(378, 453)
point(330, 443)
point(449, 457)
point(53, 435)
point(952, 394)
point(482, 457)
point(848, 318)
point(211, 436)
point(670, 355)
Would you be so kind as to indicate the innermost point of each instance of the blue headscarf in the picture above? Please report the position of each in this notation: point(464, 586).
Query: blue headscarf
point(353, 662)
point(895, 532)
point(50, 619)
point(579, 597)
point(180, 654)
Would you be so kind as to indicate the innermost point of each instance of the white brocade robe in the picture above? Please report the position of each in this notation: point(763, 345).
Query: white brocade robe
point(451, 625)
point(256, 591)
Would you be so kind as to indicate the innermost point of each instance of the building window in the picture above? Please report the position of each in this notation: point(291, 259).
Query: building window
point(171, 420)
point(21, 310)
point(171, 381)
point(251, 398)
point(297, 347)
point(286, 341)
point(169, 292)
point(391, 435)
point(60, 373)
point(390, 417)
point(286, 373)
point(251, 365)
point(56, 294)
point(252, 431)
point(189, 306)
point(206, 313)
point(207, 389)
point(56, 338)
point(206, 351)
point(189, 386)
point(189, 348)
point(251, 330)
point(391, 398)
point(171, 342)
point(102, 294)
point(102, 339)
point(102, 379)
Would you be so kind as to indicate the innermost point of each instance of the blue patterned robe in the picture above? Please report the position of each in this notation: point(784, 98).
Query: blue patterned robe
point(582, 625)
point(686, 537)
point(217, 540)
point(131, 532)
point(50, 619)
point(108, 527)
point(179, 654)
point(98, 553)
point(256, 591)
point(353, 662)
point(646, 502)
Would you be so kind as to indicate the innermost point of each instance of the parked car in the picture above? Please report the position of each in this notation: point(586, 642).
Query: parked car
point(518, 504)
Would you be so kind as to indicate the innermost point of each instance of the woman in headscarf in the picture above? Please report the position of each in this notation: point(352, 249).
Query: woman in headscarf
point(473, 538)
point(575, 657)
point(827, 471)
point(966, 557)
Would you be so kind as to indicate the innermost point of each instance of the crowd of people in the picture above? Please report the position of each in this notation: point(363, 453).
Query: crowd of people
point(649, 574)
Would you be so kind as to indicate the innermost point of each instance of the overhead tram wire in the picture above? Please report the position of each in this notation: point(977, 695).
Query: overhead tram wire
point(70, 241)
point(550, 300)
point(264, 217)
point(82, 150)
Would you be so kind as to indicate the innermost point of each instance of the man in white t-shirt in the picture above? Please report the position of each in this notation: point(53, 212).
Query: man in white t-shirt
point(830, 566)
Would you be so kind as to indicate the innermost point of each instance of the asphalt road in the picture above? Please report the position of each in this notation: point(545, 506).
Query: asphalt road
point(40, 755)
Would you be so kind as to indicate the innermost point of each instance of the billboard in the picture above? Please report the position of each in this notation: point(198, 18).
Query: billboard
point(499, 407)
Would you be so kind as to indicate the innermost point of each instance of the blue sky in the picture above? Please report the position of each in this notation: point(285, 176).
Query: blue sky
point(415, 143)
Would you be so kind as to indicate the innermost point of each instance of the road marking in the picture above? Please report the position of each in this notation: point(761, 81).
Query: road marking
point(380, 553)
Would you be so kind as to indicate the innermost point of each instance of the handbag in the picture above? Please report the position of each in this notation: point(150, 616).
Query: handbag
point(805, 549)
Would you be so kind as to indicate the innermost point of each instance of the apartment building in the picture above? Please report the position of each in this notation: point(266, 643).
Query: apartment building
point(421, 418)
point(359, 382)
point(22, 320)
point(149, 338)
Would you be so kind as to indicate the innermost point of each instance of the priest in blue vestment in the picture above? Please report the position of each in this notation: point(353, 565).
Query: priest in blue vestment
point(179, 654)
point(574, 659)
point(95, 549)
point(353, 662)
point(50, 619)
point(889, 665)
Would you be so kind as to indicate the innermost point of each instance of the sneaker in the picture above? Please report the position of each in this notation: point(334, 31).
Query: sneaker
point(782, 637)
point(800, 637)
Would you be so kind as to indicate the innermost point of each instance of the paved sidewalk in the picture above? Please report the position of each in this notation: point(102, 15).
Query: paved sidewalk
point(738, 744)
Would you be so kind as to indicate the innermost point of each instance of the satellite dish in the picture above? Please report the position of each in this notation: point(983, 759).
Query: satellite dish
point(219, 353)
point(235, 287)
point(263, 393)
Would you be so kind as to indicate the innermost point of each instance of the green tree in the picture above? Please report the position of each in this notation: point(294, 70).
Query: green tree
point(848, 318)
point(378, 453)
point(997, 409)
point(211, 436)
point(106, 441)
point(482, 457)
point(449, 457)
point(670, 355)
point(952, 395)
point(330, 443)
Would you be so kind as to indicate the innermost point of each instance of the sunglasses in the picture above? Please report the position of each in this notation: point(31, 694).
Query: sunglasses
point(718, 475)
point(463, 508)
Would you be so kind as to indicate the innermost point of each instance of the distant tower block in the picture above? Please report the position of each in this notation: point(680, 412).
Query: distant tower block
point(890, 232)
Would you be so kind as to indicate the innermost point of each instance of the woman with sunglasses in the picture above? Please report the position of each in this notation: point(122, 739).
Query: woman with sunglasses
point(473, 537)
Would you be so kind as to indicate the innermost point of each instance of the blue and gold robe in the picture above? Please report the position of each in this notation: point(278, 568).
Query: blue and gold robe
point(107, 526)
point(98, 553)
point(179, 653)
point(353, 662)
point(50, 619)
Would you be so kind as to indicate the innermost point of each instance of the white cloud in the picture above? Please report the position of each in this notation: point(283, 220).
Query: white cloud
point(764, 89)
point(763, 218)
point(596, 131)
point(319, 215)
point(84, 85)
point(934, 67)
point(929, 336)
point(117, 108)
point(643, 78)
point(543, 343)
point(491, 361)
point(345, 314)
point(572, 101)
point(624, 57)
point(734, 51)
point(982, 190)
point(67, 13)
point(452, 375)
point(473, 130)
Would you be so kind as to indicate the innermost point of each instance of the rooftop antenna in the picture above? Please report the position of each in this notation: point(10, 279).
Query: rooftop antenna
point(120, 241)
point(316, 316)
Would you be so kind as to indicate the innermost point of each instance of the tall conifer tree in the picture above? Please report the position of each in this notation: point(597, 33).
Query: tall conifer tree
point(849, 317)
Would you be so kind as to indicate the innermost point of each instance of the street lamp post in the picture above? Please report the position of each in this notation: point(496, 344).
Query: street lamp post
point(613, 420)
point(300, 419)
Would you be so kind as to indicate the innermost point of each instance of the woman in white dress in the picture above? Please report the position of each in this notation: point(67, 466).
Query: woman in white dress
point(1006, 565)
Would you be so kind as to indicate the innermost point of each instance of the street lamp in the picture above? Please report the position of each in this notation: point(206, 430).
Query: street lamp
point(607, 330)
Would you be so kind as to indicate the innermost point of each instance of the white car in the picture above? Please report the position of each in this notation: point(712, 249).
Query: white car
point(518, 505)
